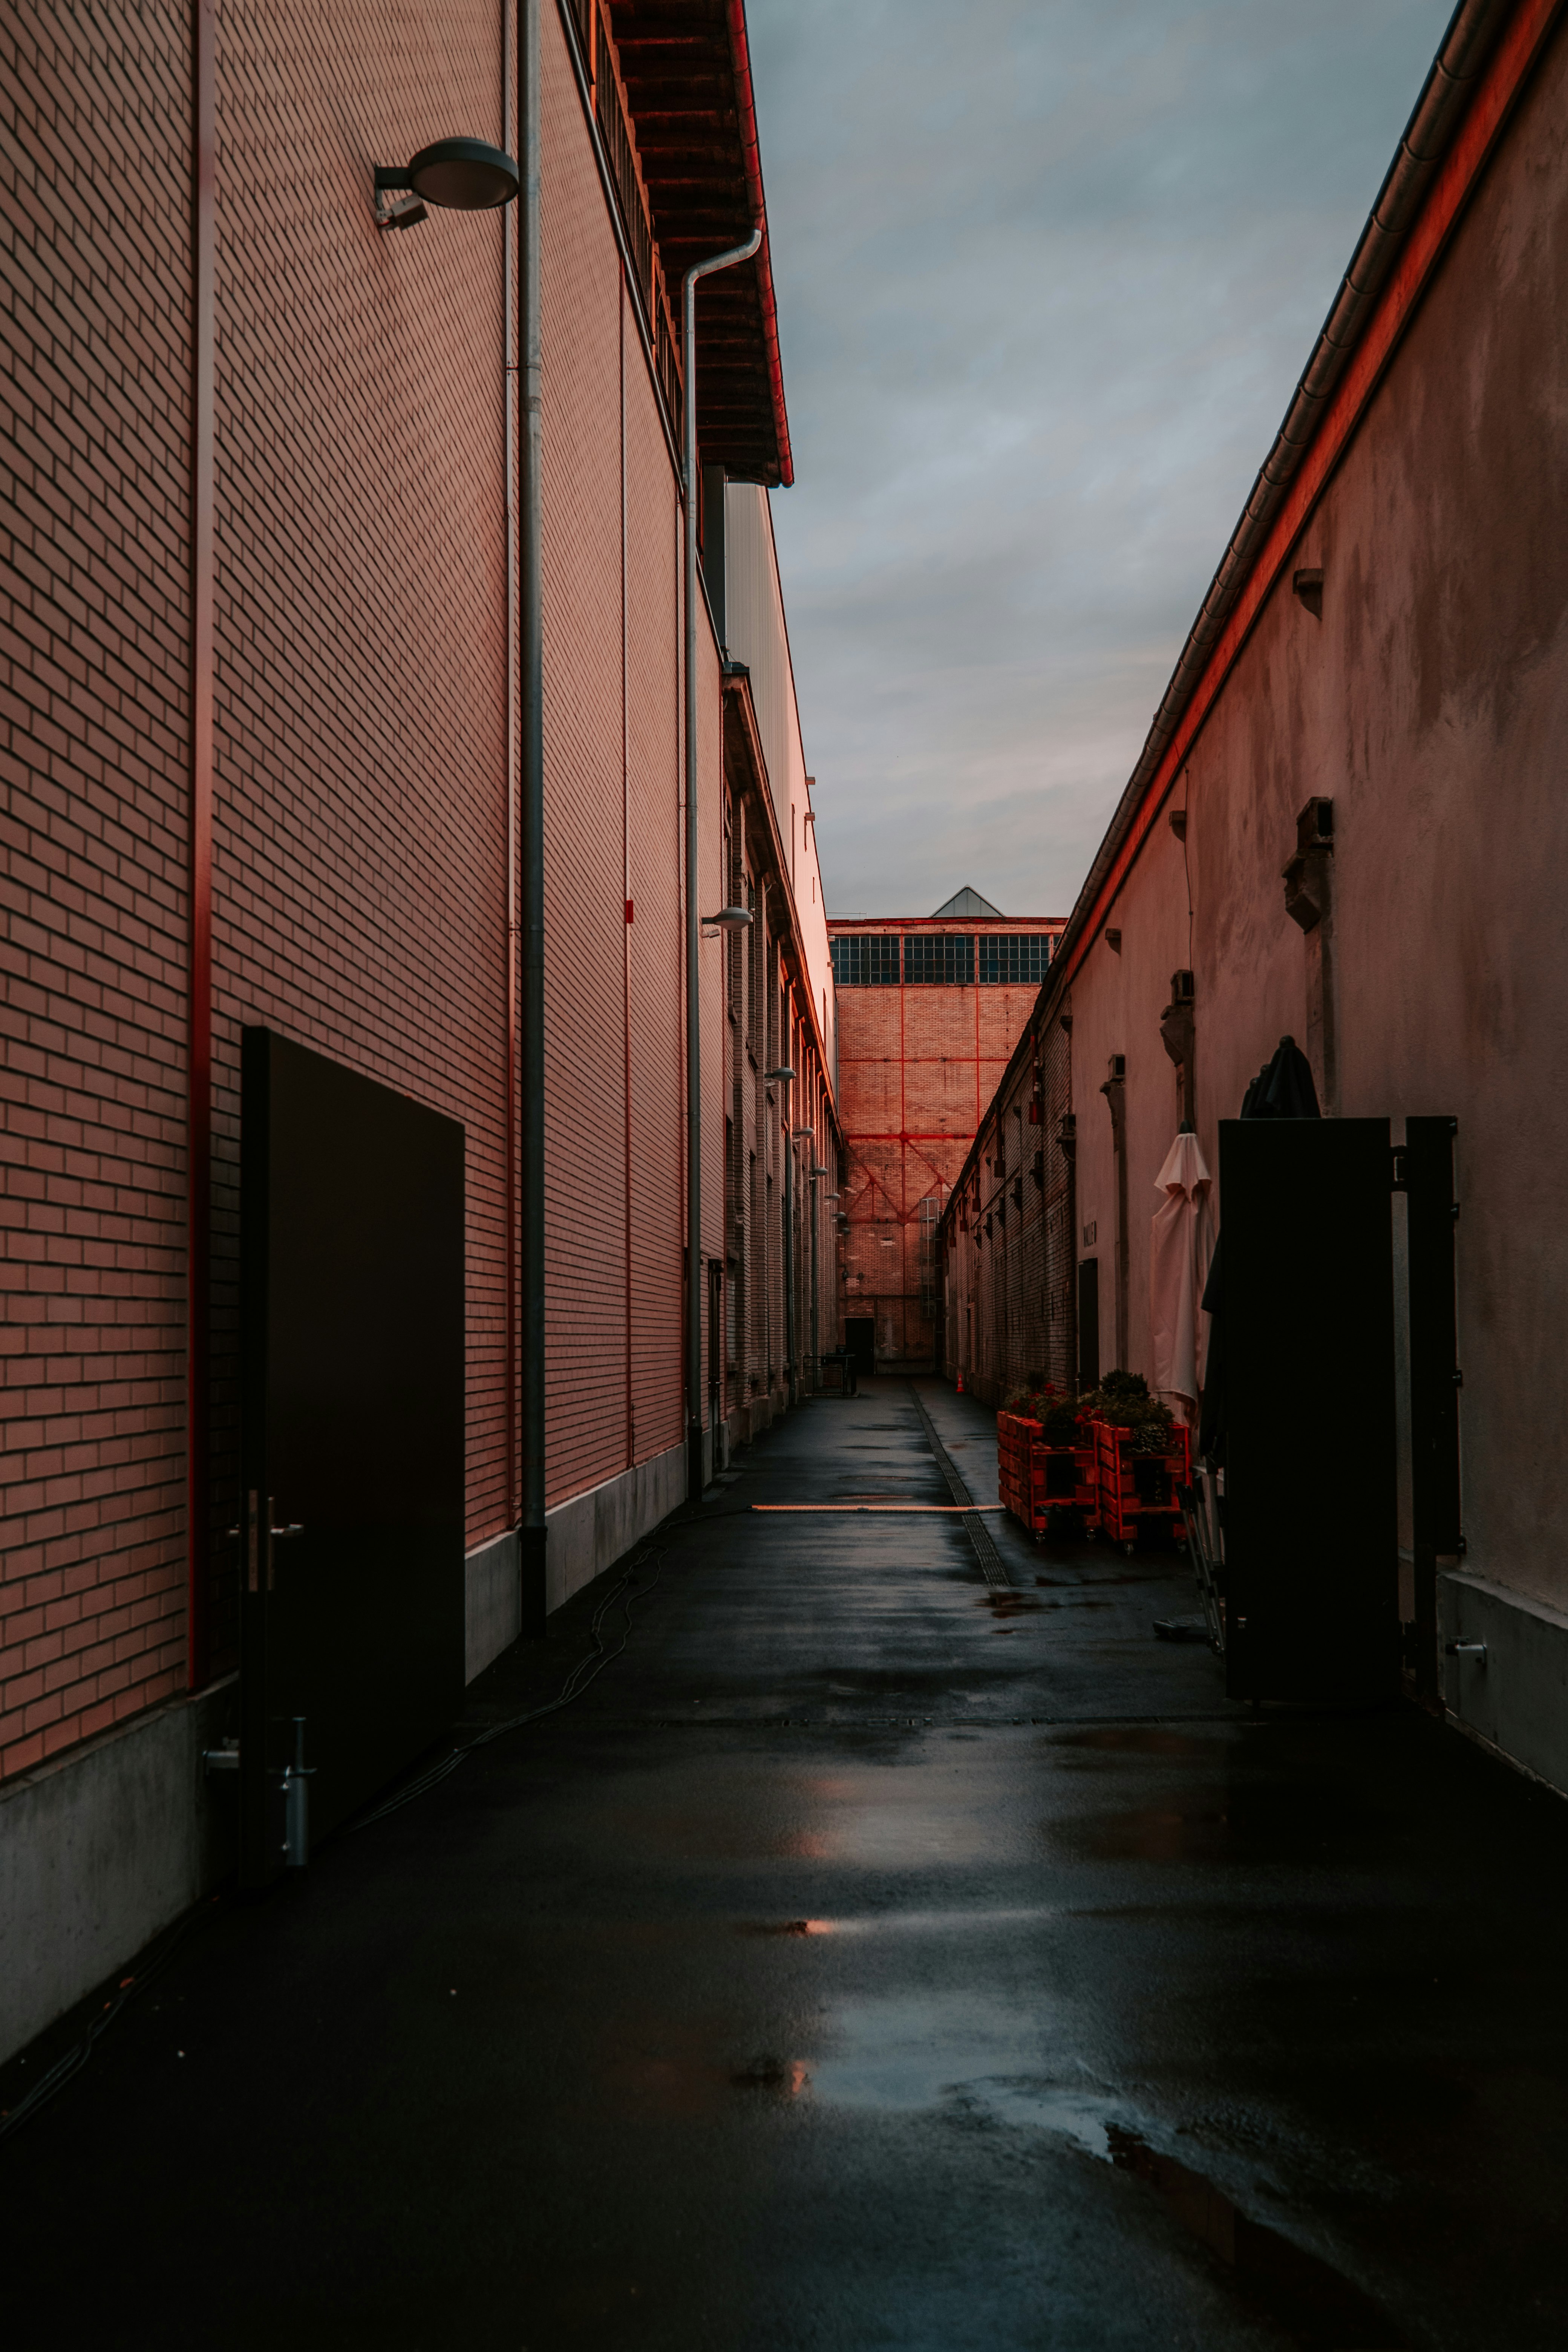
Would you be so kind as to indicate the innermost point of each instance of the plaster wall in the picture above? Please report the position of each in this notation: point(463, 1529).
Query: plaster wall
point(1430, 703)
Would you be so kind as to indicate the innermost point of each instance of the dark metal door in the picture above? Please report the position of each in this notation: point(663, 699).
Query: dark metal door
point(860, 1339)
point(1311, 1509)
point(352, 1503)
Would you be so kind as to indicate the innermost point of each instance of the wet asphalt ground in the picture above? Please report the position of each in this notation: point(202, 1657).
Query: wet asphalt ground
point(870, 1958)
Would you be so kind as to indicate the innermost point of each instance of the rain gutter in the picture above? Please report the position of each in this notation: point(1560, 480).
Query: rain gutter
point(726, 260)
point(745, 104)
point(532, 1532)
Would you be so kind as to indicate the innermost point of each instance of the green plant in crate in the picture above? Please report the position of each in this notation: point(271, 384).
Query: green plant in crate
point(1123, 1400)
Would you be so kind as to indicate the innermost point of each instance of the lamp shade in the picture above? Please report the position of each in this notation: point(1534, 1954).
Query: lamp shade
point(464, 175)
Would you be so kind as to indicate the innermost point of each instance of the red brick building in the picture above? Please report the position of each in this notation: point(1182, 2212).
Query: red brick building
point(272, 668)
point(929, 1010)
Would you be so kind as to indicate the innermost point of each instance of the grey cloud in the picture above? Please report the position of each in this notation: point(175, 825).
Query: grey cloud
point(1046, 275)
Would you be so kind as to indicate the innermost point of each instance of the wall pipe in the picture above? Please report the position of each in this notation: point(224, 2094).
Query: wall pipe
point(199, 873)
point(531, 1533)
point(694, 1466)
point(512, 1073)
point(815, 1351)
point(791, 1385)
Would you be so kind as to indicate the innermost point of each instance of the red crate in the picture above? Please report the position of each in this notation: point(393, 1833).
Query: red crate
point(1139, 1490)
point(1036, 1479)
point(1015, 1452)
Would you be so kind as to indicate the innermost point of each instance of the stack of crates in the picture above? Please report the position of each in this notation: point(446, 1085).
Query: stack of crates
point(1062, 1478)
point(1140, 1492)
point(1014, 1450)
point(1036, 1479)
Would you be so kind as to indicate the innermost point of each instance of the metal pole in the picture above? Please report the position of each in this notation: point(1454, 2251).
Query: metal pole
point(694, 1468)
point(513, 848)
point(791, 1390)
point(532, 1531)
point(816, 1324)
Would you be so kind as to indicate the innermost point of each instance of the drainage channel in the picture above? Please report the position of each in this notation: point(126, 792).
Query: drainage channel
point(992, 1566)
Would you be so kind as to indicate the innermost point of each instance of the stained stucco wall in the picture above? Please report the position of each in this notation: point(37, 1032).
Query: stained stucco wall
point(1430, 703)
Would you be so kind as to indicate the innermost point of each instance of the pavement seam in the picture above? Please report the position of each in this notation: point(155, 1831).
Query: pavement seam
point(994, 1568)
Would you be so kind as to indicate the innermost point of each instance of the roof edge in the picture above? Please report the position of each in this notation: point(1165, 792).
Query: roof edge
point(1446, 96)
point(746, 101)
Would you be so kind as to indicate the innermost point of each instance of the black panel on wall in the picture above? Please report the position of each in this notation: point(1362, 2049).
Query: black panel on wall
point(352, 1345)
point(1089, 1323)
point(1311, 1516)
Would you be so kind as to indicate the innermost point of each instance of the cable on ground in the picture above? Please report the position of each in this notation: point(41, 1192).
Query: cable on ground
point(585, 1671)
point(77, 2057)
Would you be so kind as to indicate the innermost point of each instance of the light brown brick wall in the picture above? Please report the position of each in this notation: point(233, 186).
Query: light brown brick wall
point(360, 886)
point(94, 215)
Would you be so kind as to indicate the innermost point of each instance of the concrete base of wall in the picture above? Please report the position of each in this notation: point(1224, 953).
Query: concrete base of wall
point(593, 1530)
point(104, 1849)
point(493, 1602)
point(1516, 1698)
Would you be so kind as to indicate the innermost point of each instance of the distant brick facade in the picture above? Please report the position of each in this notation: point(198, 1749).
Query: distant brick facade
point(918, 1060)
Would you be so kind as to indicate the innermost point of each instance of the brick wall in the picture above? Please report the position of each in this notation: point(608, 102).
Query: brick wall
point(94, 231)
point(360, 766)
point(917, 1065)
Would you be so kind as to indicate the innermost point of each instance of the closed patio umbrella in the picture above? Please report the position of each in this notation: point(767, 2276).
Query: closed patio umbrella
point(1180, 1248)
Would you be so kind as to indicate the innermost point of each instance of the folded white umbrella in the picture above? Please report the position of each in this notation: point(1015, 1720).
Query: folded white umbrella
point(1180, 1248)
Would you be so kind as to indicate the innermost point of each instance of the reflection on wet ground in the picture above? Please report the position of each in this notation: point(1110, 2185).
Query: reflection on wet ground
point(1317, 2307)
point(839, 1976)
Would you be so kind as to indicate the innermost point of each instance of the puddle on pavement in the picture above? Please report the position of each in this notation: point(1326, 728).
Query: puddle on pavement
point(1090, 1583)
point(1137, 1740)
point(785, 2077)
point(963, 1920)
point(904, 2055)
point(1321, 2308)
point(785, 1927)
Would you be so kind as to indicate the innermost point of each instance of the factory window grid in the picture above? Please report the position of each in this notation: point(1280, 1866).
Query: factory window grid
point(938, 958)
point(866, 959)
point(1015, 959)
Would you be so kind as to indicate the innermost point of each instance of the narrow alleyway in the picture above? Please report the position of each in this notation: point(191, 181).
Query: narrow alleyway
point(874, 1956)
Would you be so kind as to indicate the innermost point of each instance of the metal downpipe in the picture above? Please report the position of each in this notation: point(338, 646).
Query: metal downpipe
point(531, 1533)
point(792, 1389)
point(693, 917)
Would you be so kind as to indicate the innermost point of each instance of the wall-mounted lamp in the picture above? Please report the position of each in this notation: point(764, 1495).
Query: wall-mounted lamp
point(822, 1171)
point(727, 919)
point(461, 176)
point(783, 1074)
point(798, 1134)
point(1307, 587)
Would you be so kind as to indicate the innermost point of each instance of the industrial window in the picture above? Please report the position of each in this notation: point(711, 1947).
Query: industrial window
point(944, 958)
point(1017, 959)
point(866, 959)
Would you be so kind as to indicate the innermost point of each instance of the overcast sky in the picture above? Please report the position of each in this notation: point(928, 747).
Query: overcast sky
point(1047, 271)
